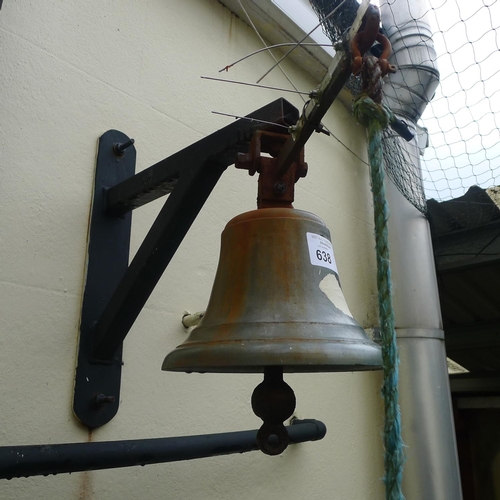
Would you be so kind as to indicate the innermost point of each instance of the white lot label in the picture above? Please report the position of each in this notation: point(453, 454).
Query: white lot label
point(321, 252)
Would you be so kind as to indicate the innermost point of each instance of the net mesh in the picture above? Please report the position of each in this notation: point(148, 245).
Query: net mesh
point(335, 26)
point(464, 138)
point(400, 167)
point(459, 126)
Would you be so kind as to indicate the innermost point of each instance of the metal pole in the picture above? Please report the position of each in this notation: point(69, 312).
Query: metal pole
point(37, 460)
point(431, 469)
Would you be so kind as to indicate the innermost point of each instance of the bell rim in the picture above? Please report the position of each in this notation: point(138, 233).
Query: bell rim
point(232, 356)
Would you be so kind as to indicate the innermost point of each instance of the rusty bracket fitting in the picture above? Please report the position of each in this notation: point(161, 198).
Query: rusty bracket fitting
point(357, 58)
point(372, 68)
point(274, 190)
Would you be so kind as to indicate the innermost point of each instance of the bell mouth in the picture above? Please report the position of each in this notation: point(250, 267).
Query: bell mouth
point(298, 356)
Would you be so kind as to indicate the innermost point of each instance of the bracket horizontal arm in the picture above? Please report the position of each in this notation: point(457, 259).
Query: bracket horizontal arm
point(221, 146)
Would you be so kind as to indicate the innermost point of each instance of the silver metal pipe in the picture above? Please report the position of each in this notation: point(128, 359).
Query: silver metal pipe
point(431, 469)
point(409, 90)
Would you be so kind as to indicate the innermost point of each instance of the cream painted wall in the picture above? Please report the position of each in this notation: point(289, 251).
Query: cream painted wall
point(69, 71)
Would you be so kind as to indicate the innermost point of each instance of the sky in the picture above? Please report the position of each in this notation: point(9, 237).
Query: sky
point(463, 119)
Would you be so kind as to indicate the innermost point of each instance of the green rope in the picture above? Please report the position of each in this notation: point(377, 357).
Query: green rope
point(376, 118)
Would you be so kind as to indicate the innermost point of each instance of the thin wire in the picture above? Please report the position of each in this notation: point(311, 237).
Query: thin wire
point(268, 47)
point(249, 119)
point(299, 42)
point(265, 45)
point(347, 147)
point(256, 85)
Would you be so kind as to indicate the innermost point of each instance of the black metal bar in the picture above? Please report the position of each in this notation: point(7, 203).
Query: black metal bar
point(97, 386)
point(37, 460)
point(401, 128)
point(160, 179)
point(202, 165)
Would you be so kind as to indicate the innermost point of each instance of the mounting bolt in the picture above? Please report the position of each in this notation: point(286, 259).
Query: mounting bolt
point(246, 161)
point(100, 400)
point(119, 148)
point(280, 187)
point(320, 129)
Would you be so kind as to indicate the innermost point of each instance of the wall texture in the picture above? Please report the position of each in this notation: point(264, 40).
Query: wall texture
point(69, 71)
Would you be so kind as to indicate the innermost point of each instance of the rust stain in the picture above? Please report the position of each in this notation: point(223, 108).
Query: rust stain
point(232, 28)
point(85, 489)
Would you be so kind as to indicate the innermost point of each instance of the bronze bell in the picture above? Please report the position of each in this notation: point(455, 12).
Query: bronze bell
point(276, 302)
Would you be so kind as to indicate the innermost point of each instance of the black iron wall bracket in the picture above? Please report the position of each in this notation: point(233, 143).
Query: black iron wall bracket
point(115, 292)
point(97, 384)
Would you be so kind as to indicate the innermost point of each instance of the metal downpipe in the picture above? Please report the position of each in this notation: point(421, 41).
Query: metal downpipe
point(431, 469)
point(408, 91)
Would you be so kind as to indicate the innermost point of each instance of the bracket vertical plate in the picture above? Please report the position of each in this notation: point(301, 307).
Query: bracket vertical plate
point(97, 385)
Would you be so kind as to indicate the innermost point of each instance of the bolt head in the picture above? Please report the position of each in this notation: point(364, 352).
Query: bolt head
point(280, 187)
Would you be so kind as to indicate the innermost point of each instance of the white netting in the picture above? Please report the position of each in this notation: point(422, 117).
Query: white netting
point(461, 119)
point(464, 133)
